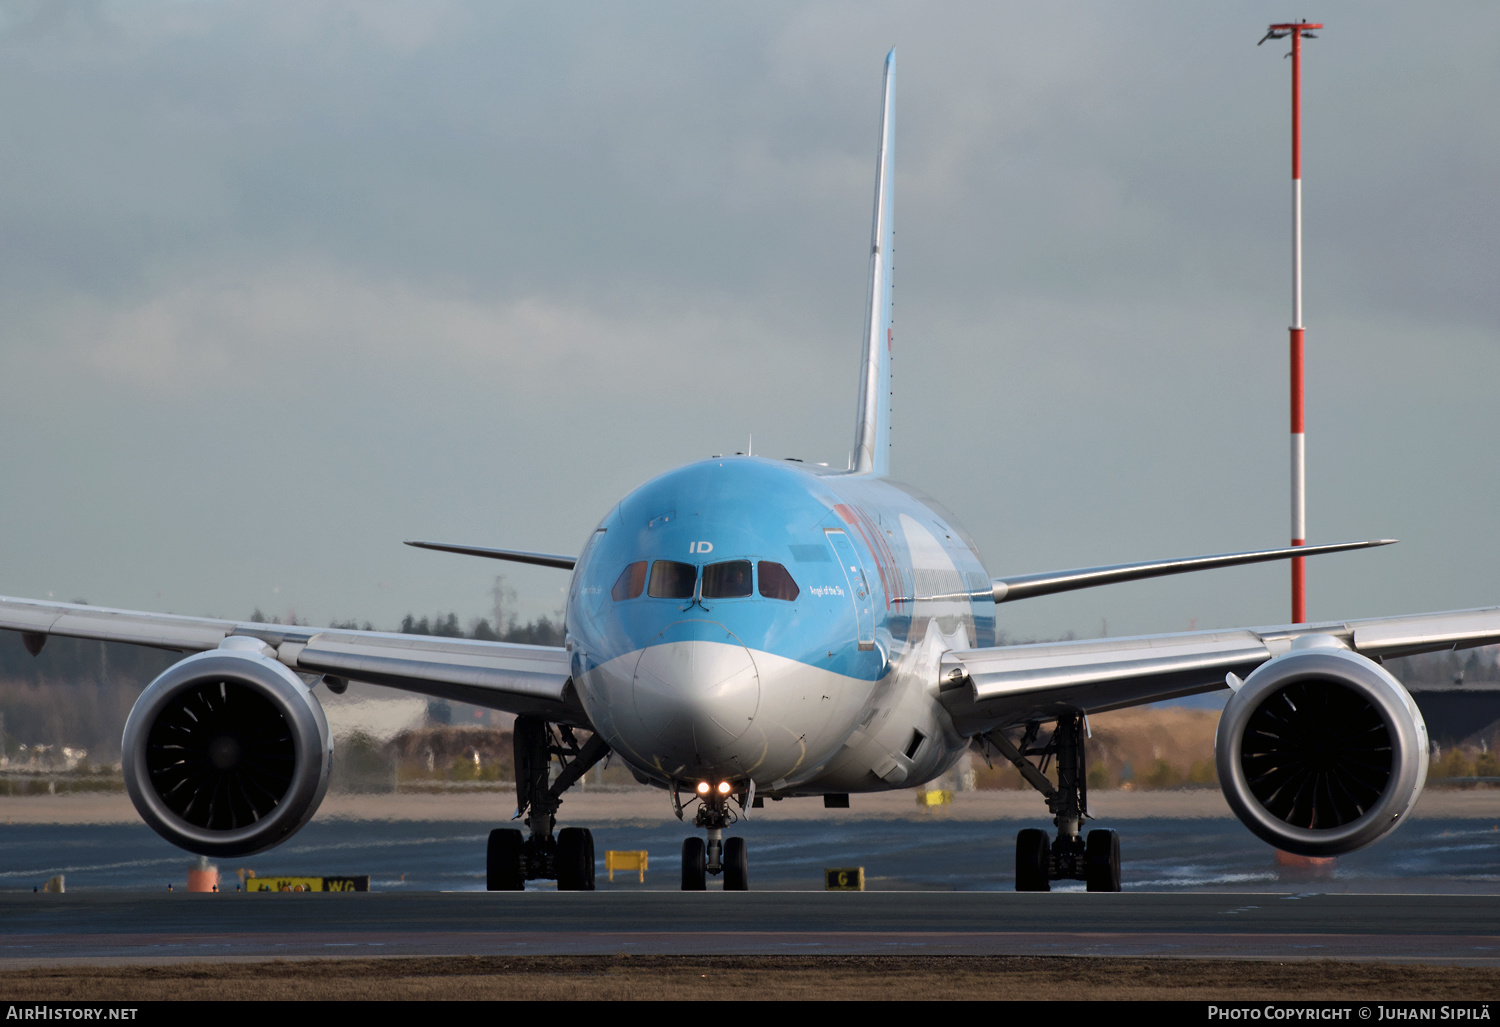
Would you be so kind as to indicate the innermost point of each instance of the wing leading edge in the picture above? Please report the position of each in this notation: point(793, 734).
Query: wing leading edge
point(524, 679)
point(987, 688)
point(513, 555)
point(1025, 586)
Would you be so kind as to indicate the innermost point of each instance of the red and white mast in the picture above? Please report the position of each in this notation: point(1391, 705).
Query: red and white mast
point(1297, 30)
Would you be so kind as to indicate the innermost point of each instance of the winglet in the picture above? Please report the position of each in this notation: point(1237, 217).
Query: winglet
point(872, 434)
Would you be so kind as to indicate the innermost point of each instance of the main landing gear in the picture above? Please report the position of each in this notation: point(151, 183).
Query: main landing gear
point(512, 858)
point(717, 855)
point(1094, 859)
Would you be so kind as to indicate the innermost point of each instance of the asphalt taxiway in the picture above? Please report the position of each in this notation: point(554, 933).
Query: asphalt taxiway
point(126, 927)
point(1197, 885)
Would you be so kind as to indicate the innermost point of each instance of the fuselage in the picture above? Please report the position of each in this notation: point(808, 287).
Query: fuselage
point(746, 619)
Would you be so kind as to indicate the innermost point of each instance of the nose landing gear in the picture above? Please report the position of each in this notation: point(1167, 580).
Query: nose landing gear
point(694, 865)
point(717, 855)
point(1094, 859)
point(736, 865)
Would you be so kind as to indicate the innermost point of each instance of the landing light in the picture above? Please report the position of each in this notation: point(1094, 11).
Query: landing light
point(702, 787)
point(723, 787)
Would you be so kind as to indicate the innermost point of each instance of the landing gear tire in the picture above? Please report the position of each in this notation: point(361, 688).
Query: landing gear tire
point(505, 860)
point(736, 865)
point(1101, 858)
point(1032, 853)
point(694, 865)
point(575, 859)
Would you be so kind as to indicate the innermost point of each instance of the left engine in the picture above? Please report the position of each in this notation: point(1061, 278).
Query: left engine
point(1320, 751)
point(227, 752)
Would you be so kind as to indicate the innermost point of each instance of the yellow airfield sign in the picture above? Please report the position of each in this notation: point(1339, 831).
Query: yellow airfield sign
point(357, 883)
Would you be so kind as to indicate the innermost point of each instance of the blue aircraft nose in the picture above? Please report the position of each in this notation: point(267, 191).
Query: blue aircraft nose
point(696, 691)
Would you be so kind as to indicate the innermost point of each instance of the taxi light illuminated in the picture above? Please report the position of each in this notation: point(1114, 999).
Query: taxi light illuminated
point(723, 787)
point(702, 787)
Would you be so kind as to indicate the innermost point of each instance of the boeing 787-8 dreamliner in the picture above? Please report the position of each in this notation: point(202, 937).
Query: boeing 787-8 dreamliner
point(744, 628)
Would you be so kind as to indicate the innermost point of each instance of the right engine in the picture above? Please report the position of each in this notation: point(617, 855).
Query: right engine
point(1320, 751)
point(227, 752)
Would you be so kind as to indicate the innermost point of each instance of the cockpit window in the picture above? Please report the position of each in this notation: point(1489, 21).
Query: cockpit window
point(671, 580)
point(776, 583)
point(632, 579)
point(730, 580)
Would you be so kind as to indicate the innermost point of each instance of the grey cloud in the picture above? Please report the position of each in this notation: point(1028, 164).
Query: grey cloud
point(284, 283)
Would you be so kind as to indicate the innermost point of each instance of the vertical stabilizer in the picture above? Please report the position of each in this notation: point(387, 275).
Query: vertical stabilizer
point(872, 433)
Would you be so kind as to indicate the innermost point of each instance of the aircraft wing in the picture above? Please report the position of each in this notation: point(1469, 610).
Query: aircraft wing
point(1025, 586)
point(525, 679)
point(988, 688)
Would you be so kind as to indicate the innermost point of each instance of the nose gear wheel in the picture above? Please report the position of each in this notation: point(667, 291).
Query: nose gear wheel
point(716, 855)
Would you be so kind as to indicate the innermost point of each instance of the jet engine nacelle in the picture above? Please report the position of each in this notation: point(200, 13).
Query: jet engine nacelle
point(1320, 751)
point(227, 752)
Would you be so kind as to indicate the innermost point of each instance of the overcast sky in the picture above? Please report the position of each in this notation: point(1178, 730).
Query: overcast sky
point(282, 284)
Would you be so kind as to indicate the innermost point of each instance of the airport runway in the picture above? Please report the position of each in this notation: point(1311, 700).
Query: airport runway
point(1430, 855)
point(1196, 886)
point(135, 927)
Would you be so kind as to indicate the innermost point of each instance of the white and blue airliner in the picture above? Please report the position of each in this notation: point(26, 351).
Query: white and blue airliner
point(744, 629)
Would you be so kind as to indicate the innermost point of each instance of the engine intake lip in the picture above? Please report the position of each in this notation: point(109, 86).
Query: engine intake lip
point(1274, 752)
point(226, 753)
